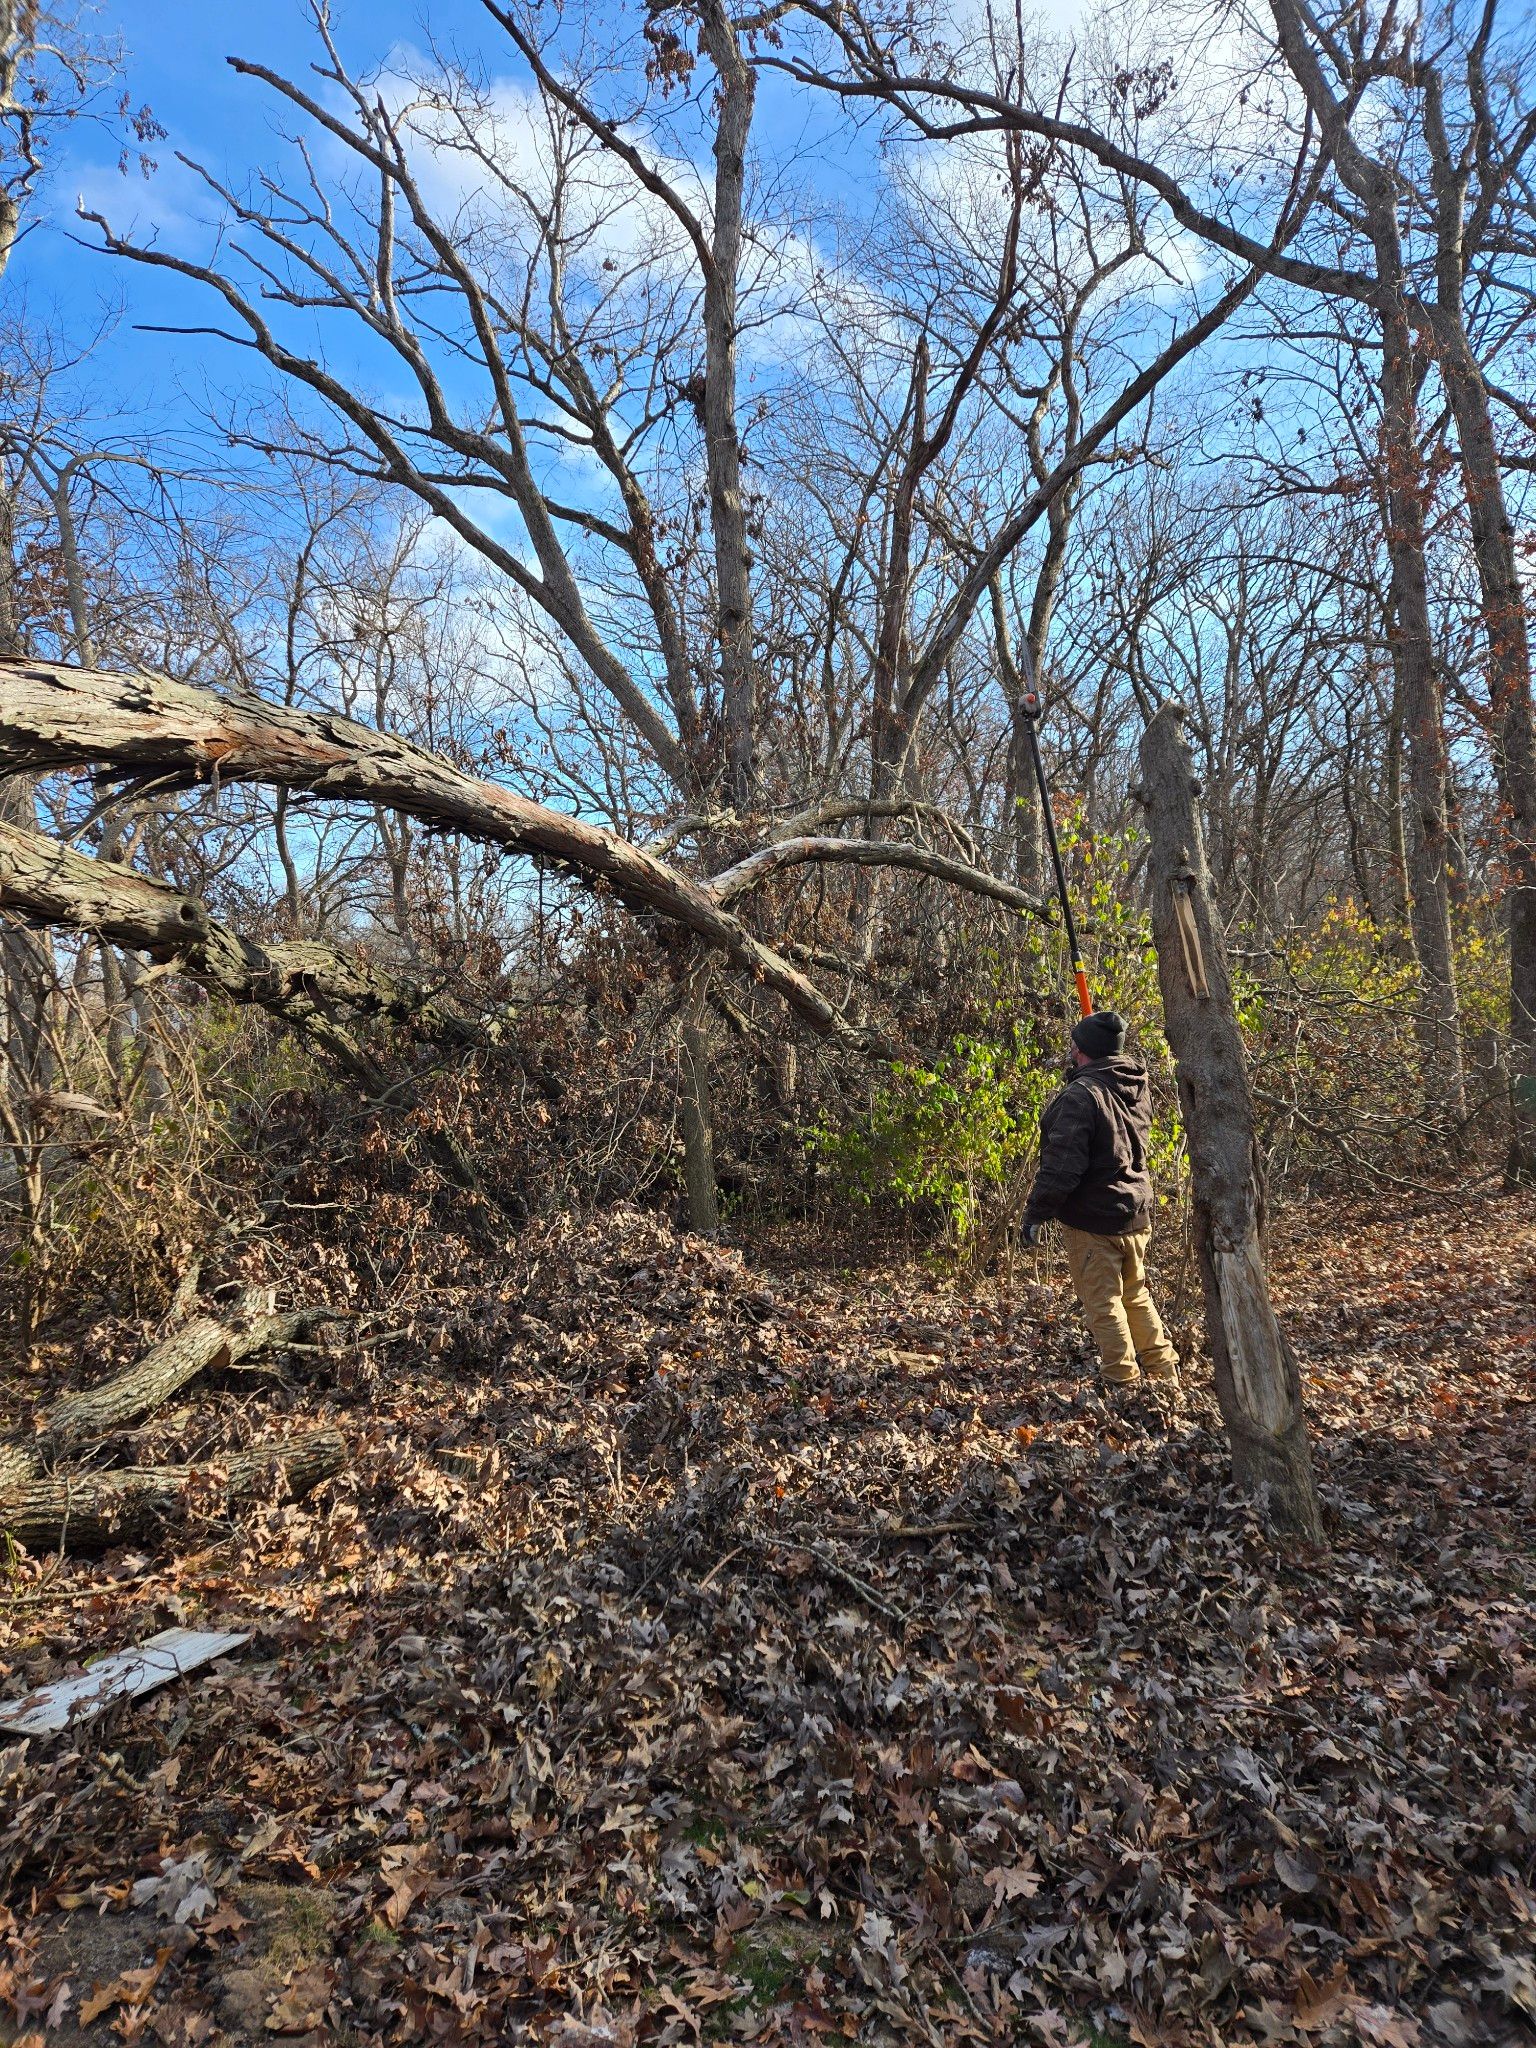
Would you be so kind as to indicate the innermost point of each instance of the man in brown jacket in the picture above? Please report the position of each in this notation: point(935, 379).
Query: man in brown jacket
point(1093, 1180)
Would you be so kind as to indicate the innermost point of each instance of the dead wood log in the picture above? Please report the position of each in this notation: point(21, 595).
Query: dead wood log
point(1257, 1383)
point(58, 717)
point(90, 1511)
point(205, 1344)
point(301, 981)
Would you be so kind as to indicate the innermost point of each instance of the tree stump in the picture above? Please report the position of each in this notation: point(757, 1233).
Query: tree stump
point(1257, 1382)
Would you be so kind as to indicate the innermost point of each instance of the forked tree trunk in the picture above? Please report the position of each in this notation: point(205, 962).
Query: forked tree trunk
point(1257, 1382)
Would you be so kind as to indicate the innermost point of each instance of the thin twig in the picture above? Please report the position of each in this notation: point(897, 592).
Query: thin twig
point(830, 1564)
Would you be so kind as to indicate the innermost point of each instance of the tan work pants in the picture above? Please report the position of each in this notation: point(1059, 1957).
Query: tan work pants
point(1110, 1275)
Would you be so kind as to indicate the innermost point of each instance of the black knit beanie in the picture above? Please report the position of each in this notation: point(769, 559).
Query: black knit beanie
point(1100, 1035)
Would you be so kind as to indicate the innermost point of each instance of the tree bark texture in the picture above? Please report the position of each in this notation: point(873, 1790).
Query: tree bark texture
point(1508, 652)
point(694, 1109)
point(722, 442)
point(1257, 1382)
point(206, 1343)
point(90, 1511)
point(1430, 850)
point(56, 717)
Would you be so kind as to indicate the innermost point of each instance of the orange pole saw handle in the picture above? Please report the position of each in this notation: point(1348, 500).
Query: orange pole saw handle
point(1084, 1000)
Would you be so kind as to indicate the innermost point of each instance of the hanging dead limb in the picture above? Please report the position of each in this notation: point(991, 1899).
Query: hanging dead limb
point(207, 1343)
point(868, 853)
point(302, 982)
point(53, 716)
point(88, 1511)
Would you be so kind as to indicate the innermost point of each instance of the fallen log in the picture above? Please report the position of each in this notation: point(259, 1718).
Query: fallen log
point(90, 1511)
point(52, 716)
point(206, 1343)
point(301, 981)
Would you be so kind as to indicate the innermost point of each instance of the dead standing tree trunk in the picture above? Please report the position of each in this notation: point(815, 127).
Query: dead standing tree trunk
point(1257, 1382)
point(694, 1109)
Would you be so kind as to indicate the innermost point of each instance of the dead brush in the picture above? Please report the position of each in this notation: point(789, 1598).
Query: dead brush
point(115, 1189)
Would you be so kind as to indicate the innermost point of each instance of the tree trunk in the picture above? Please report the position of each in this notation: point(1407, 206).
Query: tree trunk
point(1429, 849)
point(722, 443)
point(52, 716)
point(1397, 824)
point(1507, 639)
point(694, 1110)
point(1257, 1382)
point(128, 1396)
point(26, 960)
point(90, 1511)
point(1020, 791)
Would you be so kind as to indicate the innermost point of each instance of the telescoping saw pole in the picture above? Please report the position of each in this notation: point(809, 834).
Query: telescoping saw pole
point(1032, 709)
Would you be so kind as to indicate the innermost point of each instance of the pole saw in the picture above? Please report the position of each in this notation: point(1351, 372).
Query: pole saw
point(1032, 708)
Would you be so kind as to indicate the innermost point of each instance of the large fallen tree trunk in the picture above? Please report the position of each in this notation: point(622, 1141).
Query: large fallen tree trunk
point(302, 982)
point(90, 1511)
point(203, 1345)
point(58, 717)
point(1257, 1383)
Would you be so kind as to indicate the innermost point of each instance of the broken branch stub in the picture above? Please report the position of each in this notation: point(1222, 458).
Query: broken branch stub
point(54, 716)
point(1257, 1382)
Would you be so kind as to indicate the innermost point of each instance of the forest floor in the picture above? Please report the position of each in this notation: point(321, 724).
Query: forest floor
point(788, 1650)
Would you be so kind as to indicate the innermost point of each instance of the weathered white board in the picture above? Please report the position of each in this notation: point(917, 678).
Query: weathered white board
point(125, 1675)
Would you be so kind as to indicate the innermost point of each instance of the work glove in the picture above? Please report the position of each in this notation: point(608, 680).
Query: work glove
point(1033, 1232)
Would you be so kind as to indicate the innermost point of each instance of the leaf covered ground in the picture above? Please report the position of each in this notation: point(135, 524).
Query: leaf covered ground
point(778, 1650)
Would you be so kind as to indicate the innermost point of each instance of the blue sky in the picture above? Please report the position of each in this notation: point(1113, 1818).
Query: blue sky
point(175, 63)
point(176, 51)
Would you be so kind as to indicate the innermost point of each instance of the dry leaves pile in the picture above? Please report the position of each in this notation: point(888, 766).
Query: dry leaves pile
point(704, 1651)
